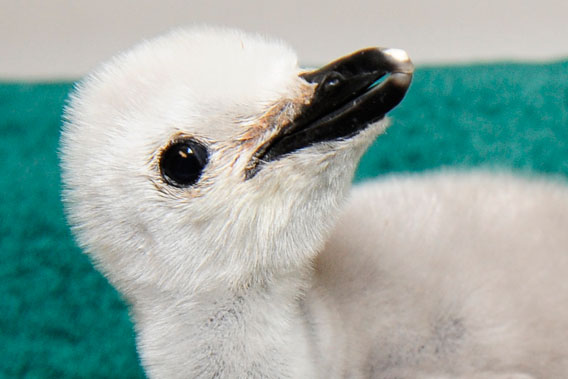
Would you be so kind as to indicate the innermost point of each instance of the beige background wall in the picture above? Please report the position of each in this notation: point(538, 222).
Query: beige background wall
point(63, 39)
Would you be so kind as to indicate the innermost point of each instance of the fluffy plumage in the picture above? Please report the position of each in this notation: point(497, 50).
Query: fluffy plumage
point(448, 275)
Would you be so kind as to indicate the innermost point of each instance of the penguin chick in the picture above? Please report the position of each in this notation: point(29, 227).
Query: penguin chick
point(206, 176)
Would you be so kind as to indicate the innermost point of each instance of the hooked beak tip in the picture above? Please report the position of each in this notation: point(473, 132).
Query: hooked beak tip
point(400, 60)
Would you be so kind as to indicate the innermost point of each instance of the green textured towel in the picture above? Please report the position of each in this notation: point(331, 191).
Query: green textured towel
point(60, 318)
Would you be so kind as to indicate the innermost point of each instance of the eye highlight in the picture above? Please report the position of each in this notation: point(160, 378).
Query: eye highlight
point(182, 162)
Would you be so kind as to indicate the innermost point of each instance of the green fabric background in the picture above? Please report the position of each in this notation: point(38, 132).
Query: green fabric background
point(60, 318)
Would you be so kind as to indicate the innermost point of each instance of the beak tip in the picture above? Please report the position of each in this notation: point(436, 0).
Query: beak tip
point(400, 60)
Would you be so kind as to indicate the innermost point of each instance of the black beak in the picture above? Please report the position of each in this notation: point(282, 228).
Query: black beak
point(349, 96)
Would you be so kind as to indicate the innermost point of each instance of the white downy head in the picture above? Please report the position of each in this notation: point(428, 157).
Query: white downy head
point(230, 92)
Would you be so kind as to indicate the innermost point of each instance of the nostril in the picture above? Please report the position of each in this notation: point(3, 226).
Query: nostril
point(332, 81)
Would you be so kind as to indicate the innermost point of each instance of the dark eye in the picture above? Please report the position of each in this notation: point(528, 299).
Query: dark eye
point(181, 163)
